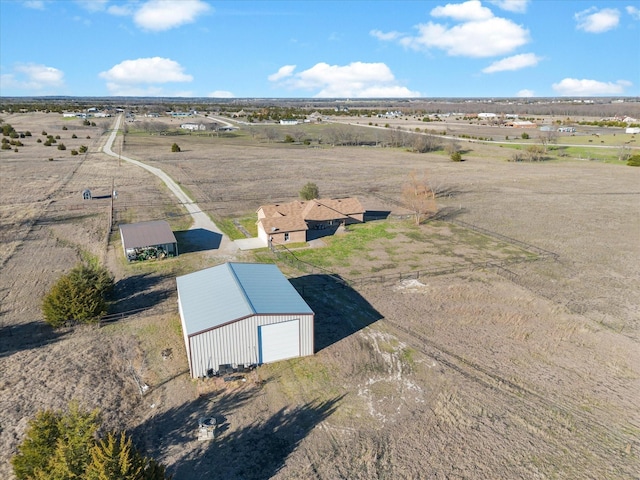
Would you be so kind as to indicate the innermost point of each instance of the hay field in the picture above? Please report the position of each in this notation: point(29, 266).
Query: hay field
point(529, 373)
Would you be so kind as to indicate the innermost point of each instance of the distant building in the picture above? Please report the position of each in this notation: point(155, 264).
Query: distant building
point(289, 122)
point(193, 126)
point(632, 130)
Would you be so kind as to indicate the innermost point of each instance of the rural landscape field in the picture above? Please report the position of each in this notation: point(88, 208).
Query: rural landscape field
point(498, 339)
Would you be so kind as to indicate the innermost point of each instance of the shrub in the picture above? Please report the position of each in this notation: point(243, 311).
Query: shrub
point(309, 191)
point(175, 147)
point(634, 161)
point(65, 127)
point(6, 146)
point(78, 297)
point(74, 136)
point(456, 157)
point(74, 152)
point(83, 149)
point(525, 136)
point(44, 133)
point(62, 147)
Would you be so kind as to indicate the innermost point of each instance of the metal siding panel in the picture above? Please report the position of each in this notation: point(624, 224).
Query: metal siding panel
point(237, 342)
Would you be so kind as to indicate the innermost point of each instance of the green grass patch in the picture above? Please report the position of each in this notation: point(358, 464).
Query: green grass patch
point(249, 224)
point(229, 228)
point(341, 248)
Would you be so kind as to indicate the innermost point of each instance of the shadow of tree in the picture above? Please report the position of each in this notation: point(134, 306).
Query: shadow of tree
point(139, 292)
point(448, 213)
point(255, 451)
point(197, 240)
point(14, 338)
point(339, 310)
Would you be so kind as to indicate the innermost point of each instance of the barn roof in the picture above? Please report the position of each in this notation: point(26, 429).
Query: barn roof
point(146, 234)
point(225, 293)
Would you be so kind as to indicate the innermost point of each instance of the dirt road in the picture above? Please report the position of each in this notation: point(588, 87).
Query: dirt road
point(201, 220)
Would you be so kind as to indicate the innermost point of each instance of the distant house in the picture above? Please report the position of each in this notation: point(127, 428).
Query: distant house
point(289, 121)
point(148, 240)
point(193, 126)
point(632, 130)
point(290, 222)
point(522, 124)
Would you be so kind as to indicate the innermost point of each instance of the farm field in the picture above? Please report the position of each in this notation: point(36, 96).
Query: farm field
point(530, 370)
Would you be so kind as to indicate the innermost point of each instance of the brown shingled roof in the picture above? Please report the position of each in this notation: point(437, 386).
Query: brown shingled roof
point(292, 216)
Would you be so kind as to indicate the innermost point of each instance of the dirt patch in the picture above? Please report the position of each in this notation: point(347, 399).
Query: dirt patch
point(526, 373)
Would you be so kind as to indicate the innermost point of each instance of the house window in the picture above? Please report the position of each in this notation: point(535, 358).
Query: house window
point(286, 236)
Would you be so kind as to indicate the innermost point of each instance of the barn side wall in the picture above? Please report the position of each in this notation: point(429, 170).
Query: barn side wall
point(237, 342)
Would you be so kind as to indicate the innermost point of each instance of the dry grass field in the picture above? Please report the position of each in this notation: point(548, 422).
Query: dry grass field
point(528, 371)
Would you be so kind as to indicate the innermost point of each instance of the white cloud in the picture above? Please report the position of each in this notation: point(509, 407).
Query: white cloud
point(34, 4)
point(515, 62)
point(385, 36)
point(486, 38)
point(93, 5)
point(120, 10)
point(471, 10)
point(356, 80)
point(634, 12)
point(283, 72)
point(221, 94)
point(593, 20)
point(516, 6)
point(146, 70)
point(525, 93)
point(586, 88)
point(478, 34)
point(159, 15)
point(34, 77)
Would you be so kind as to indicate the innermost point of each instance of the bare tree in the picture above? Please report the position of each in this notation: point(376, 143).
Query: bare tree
point(547, 138)
point(452, 147)
point(419, 197)
point(624, 153)
point(271, 134)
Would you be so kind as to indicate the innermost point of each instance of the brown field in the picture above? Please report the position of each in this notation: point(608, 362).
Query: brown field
point(526, 372)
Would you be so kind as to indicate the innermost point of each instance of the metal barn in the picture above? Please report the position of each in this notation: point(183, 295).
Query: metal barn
point(239, 314)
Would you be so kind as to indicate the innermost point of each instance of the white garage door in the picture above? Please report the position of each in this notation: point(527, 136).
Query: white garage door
point(279, 341)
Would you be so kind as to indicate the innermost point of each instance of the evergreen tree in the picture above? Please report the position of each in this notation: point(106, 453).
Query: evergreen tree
point(79, 296)
point(65, 446)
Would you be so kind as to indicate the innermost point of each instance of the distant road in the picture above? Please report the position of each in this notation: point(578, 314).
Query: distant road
point(200, 219)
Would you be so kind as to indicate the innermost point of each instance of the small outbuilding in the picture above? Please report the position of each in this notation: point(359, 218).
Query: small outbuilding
point(237, 315)
point(86, 194)
point(148, 240)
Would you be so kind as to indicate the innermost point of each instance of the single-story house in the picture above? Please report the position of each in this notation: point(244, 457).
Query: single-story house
point(237, 315)
point(193, 126)
point(289, 222)
point(148, 240)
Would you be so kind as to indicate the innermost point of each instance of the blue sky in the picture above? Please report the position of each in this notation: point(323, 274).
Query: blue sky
point(322, 49)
